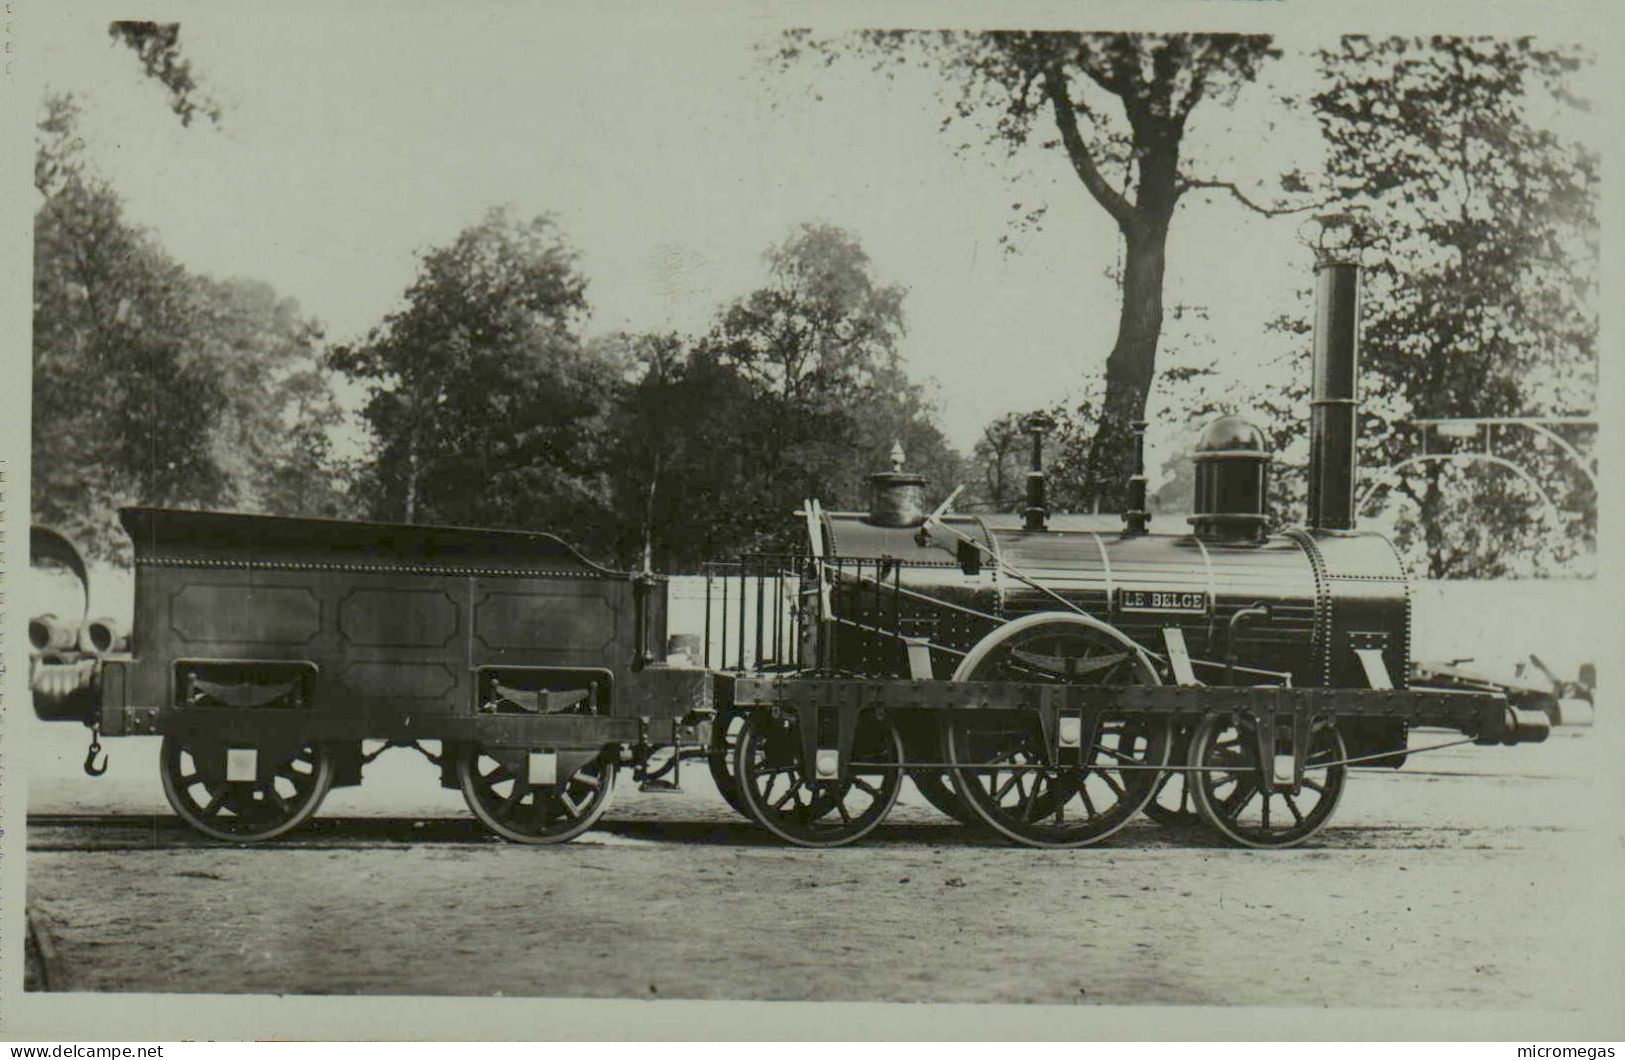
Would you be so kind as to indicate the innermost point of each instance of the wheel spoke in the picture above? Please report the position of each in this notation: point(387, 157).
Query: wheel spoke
point(1238, 801)
point(1030, 799)
point(269, 788)
point(511, 803)
point(1129, 759)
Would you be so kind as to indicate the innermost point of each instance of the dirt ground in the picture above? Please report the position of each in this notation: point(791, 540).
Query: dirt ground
point(1431, 889)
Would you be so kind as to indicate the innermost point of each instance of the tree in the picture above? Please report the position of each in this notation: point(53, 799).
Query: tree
point(151, 384)
point(999, 459)
point(1115, 102)
point(1480, 228)
point(688, 485)
point(795, 393)
point(272, 437)
point(485, 406)
point(158, 46)
point(123, 404)
point(822, 328)
point(820, 341)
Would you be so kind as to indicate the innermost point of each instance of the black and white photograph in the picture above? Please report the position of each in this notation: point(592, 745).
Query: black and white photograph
point(1063, 521)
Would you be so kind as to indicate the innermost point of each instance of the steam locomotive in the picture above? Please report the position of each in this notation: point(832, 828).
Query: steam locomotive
point(1045, 677)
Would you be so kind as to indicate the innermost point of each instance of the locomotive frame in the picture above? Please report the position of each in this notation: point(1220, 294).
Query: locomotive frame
point(1044, 677)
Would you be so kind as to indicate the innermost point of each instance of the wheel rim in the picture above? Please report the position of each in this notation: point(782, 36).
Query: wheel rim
point(817, 813)
point(1229, 798)
point(288, 787)
point(533, 813)
point(937, 789)
point(1003, 769)
point(725, 731)
point(926, 742)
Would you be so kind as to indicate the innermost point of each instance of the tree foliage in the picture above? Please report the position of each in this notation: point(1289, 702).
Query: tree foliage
point(151, 384)
point(1117, 106)
point(1478, 215)
point(796, 392)
point(1448, 163)
point(158, 46)
point(485, 405)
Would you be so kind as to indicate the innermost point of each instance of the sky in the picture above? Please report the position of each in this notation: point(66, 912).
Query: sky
point(672, 156)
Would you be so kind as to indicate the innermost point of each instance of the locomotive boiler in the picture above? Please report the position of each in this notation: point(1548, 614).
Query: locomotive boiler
point(1043, 676)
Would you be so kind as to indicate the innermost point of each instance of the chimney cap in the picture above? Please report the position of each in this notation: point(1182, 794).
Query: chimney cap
point(1230, 434)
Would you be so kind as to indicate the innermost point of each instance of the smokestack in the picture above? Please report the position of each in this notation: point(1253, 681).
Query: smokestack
point(1334, 404)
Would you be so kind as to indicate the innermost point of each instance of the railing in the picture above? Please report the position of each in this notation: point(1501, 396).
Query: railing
point(757, 609)
point(754, 613)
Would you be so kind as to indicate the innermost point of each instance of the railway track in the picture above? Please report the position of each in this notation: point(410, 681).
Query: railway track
point(105, 833)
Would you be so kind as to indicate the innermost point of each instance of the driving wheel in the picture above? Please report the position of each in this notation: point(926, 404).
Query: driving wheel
point(1004, 770)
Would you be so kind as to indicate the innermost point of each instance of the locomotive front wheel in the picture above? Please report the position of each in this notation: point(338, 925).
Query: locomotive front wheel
point(286, 789)
point(1173, 803)
point(1224, 753)
point(1004, 771)
point(725, 730)
point(817, 813)
point(516, 809)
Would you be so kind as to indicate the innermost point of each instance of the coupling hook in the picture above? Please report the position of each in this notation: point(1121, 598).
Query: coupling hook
point(91, 766)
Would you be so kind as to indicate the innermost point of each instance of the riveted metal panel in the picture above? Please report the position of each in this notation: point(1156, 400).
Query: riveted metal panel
point(398, 617)
point(566, 618)
point(238, 611)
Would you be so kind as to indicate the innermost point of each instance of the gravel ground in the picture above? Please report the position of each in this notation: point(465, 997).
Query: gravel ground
point(1431, 889)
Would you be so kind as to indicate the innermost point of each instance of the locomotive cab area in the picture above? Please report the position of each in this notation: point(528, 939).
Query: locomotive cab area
point(1041, 676)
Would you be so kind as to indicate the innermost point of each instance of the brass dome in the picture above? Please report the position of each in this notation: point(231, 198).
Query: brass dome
point(1231, 434)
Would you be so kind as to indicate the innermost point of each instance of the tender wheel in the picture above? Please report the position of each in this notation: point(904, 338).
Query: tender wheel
point(1225, 753)
point(1003, 771)
point(725, 730)
point(287, 788)
point(816, 813)
point(533, 813)
point(1173, 803)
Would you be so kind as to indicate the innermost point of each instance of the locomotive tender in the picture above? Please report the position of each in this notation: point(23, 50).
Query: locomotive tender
point(1046, 677)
